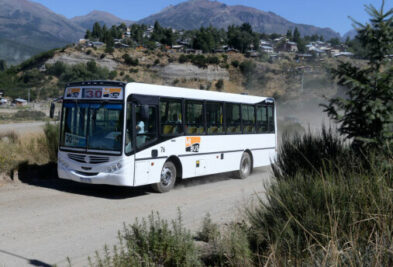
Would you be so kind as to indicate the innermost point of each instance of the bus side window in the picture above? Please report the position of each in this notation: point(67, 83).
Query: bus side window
point(171, 117)
point(270, 116)
point(195, 122)
point(215, 117)
point(248, 119)
point(233, 118)
point(262, 126)
point(146, 131)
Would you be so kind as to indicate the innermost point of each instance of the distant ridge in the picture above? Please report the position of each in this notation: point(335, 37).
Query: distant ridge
point(196, 13)
point(102, 17)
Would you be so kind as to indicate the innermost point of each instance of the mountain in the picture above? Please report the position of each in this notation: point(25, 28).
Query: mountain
point(102, 17)
point(28, 27)
point(351, 34)
point(196, 13)
point(13, 52)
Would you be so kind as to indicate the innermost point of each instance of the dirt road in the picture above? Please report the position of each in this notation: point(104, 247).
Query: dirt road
point(42, 223)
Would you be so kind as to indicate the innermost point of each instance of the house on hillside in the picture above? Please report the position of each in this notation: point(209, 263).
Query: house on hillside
point(267, 49)
point(97, 44)
point(20, 102)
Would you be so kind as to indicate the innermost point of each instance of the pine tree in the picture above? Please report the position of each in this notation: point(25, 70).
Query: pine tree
point(366, 114)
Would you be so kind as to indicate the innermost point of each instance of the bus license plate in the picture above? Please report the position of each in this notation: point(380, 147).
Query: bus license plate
point(86, 180)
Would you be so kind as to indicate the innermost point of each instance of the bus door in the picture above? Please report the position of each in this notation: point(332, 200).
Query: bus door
point(145, 136)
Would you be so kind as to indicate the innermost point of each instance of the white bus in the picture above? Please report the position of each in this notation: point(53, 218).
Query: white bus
point(138, 134)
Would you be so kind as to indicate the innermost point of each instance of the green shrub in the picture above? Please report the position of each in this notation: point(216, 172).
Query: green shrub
point(324, 206)
point(311, 153)
point(235, 63)
point(152, 242)
point(130, 61)
point(183, 59)
point(220, 84)
point(200, 61)
point(156, 62)
point(209, 230)
point(52, 132)
point(213, 60)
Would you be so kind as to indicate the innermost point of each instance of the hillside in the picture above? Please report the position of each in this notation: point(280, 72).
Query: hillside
point(13, 52)
point(196, 13)
point(24, 22)
point(104, 18)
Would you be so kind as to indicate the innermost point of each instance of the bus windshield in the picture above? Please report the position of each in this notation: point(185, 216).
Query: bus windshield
point(92, 126)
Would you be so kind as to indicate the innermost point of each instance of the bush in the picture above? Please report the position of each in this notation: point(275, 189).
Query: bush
point(156, 62)
point(130, 61)
point(152, 242)
point(220, 84)
point(235, 63)
point(327, 210)
point(213, 60)
point(183, 59)
point(52, 132)
point(200, 61)
point(311, 153)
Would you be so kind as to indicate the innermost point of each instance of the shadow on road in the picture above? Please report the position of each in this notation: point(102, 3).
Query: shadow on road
point(32, 262)
point(46, 176)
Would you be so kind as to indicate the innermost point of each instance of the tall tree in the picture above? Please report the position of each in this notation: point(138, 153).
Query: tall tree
point(366, 115)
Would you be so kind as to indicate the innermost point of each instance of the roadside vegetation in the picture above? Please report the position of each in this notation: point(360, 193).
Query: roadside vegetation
point(330, 202)
point(17, 151)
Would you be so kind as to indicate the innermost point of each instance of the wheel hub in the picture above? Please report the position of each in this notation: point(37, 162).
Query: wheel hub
point(166, 176)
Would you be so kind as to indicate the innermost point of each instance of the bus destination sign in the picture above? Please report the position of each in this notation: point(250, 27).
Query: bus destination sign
point(94, 93)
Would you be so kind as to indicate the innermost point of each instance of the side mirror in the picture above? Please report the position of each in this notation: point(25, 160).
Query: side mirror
point(52, 110)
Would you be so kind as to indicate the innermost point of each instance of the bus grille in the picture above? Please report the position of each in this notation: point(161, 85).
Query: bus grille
point(88, 159)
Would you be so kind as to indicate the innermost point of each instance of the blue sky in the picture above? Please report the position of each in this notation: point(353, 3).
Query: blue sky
point(322, 13)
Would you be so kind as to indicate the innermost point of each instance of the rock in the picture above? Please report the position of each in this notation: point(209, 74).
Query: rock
point(188, 71)
point(77, 58)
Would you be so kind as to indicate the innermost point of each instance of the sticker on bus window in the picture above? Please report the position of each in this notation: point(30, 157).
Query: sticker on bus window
point(112, 92)
point(73, 92)
point(193, 144)
point(74, 140)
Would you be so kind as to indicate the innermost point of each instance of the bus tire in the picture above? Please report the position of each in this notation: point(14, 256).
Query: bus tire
point(167, 179)
point(245, 166)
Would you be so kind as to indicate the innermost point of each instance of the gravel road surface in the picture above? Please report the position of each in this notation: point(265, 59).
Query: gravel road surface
point(43, 222)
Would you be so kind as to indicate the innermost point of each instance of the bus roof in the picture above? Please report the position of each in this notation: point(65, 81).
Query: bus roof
point(169, 91)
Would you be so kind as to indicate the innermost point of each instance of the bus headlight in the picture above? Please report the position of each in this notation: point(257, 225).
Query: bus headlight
point(114, 167)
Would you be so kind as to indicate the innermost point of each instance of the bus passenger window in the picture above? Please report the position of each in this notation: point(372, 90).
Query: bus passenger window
point(248, 119)
point(270, 115)
point(262, 119)
point(215, 117)
point(146, 131)
point(233, 118)
point(171, 117)
point(195, 122)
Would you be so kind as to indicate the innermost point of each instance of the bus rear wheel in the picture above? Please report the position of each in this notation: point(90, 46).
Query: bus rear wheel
point(245, 166)
point(167, 179)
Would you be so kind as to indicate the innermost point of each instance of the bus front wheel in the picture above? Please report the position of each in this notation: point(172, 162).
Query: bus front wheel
point(245, 166)
point(167, 179)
